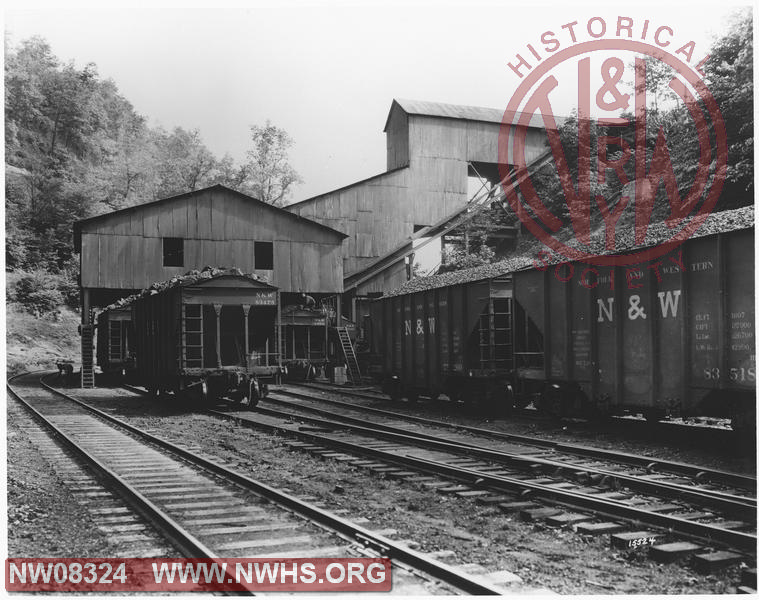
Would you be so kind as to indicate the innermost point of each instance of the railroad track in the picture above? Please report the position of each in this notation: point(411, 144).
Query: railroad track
point(206, 510)
point(622, 422)
point(554, 450)
point(703, 516)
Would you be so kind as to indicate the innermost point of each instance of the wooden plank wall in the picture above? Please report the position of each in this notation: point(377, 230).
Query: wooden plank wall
point(380, 214)
point(219, 229)
point(397, 140)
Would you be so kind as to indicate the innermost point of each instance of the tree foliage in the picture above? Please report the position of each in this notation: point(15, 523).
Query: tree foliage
point(75, 148)
point(457, 258)
point(270, 173)
point(671, 138)
point(729, 73)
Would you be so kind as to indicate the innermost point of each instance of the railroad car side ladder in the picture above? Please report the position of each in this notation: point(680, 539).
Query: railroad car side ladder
point(88, 362)
point(115, 343)
point(354, 373)
point(192, 335)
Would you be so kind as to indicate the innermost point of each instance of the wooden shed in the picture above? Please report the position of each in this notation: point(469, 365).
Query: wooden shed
point(131, 248)
point(127, 250)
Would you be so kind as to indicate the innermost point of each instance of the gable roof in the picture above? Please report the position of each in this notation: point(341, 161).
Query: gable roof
point(346, 187)
point(137, 207)
point(461, 112)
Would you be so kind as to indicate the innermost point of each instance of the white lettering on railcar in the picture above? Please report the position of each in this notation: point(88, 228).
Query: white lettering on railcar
point(636, 309)
point(418, 327)
point(604, 309)
point(669, 301)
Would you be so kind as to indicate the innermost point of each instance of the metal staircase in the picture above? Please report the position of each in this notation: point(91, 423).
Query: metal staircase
point(354, 373)
point(88, 363)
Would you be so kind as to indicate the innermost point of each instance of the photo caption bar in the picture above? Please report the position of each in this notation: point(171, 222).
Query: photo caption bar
point(189, 574)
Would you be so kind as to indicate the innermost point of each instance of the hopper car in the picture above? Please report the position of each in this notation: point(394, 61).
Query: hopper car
point(670, 337)
point(115, 341)
point(206, 335)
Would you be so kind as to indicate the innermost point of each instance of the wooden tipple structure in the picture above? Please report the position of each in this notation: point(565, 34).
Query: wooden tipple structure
point(432, 150)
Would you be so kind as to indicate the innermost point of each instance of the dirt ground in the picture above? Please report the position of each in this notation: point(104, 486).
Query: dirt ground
point(34, 343)
point(556, 559)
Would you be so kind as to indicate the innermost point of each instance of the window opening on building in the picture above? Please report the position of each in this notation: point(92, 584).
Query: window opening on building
point(264, 255)
point(173, 252)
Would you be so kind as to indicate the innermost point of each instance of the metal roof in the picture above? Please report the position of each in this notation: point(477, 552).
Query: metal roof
point(462, 112)
point(218, 187)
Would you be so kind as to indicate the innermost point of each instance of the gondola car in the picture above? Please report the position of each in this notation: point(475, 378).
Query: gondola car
point(207, 335)
point(675, 336)
point(115, 344)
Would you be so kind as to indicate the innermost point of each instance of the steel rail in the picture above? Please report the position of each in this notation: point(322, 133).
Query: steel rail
point(181, 539)
point(736, 505)
point(744, 541)
point(724, 477)
point(746, 507)
point(379, 543)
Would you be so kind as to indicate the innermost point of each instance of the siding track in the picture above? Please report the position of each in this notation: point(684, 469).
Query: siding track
point(206, 510)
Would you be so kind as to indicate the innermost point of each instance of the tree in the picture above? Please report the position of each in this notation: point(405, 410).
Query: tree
point(268, 175)
point(456, 259)
point(729, 73)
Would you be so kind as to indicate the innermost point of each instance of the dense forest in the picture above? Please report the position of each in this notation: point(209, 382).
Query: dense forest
point(75, 147)
point(671, 139)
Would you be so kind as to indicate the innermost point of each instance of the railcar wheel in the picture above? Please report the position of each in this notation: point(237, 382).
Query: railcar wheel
point(743, 422)
point(393, 389)
point(253, 396)
point(509, 399)
point(550, 401)
point(204, 392)
point(653, 415)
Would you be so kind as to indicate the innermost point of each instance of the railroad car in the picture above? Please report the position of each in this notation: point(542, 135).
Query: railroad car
point(207, 335)
point(675, 336)
point(115, 344)
point(453, 340)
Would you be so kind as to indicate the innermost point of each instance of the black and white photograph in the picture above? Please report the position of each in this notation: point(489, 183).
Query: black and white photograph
point(415, 298)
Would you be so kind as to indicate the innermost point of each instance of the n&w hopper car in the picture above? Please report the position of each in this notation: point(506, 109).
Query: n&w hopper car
point(671, 337)
point(205, 335)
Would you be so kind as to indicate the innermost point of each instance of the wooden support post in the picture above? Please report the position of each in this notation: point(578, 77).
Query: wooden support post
point(246, 310)
point(279, 329)
point(86, 306)
point(326, 332)
point(217, 308)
